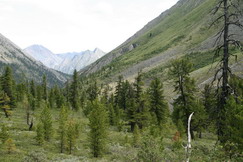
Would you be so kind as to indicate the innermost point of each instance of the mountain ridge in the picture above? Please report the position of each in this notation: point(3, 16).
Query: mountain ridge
point(24, 66)
point(64, 62)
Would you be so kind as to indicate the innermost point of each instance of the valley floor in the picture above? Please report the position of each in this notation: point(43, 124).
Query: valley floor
point(120, 145)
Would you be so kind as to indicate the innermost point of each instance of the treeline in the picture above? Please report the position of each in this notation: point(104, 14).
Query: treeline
point(128, 106)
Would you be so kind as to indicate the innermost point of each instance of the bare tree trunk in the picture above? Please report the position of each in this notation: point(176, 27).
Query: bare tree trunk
point(31, 124)
point(188, 147)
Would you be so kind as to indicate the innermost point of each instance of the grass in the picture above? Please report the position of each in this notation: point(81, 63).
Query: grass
point(119, 143)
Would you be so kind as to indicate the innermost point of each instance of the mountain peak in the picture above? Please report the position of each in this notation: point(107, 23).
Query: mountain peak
point(64, 62)
point(97, 50)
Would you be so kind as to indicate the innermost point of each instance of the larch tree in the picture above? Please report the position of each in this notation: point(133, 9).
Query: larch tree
point(158, 105)
point(185, 103)
point(98, 123)
point(46, 120)
point(62, 131)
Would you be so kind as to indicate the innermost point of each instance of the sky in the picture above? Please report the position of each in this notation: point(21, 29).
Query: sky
point(76, 25)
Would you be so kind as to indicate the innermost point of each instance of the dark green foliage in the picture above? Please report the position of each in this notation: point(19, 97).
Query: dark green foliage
point(38, 95)
point(158, 105)
point(98, 129)
point(33, 89)
point(44, 88)
point(51, 98)
point(138, 87)
point(21, 90)
point(74, 97)
point(58, 97)
point(210, 103)
point(186, 102)
point(8, 86)
point(233, 127)
point(92, 91)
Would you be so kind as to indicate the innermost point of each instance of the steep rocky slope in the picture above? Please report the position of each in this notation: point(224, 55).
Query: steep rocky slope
point(24, 66)
point(182, 31)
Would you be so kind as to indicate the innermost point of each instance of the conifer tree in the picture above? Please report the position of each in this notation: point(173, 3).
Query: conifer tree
point(136, 136)
point(210, 103)
point(138, 87)
point(93, 91)
point(74, 98)
point(186, 102)
point(38, 95)
point(138, 109)
point(51, 98)
point(40, 134)
point(62, 131)
point(44, 86)
point(46, 120)
point(233, 136)
point(158, 105)
point(5, 104)
point(118, 92)
point(33, 89)
point(98, 129)
point(8, 86)
point(71, 135)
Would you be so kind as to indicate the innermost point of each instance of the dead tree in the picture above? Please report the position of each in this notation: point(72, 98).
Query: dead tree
point(230, 13)
point(188, 146)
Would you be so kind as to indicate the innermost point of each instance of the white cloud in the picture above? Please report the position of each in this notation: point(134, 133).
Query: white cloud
point(75, 25)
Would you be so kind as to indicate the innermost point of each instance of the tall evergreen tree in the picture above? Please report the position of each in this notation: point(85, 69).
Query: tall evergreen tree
point(138, 87)
point(44, 86)
point(62, 131)
point(74, 98)
point(40, 133)
point(118, 92)
point(33, 89)
point(158, 105)
point(186, 102)
point(71, 135)
point(98, 129)
point(46, 120)
point(8, 86)
point(93, 91)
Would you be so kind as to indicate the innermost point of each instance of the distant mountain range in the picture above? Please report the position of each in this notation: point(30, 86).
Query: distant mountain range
point(24, 66)
point(65, 62)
